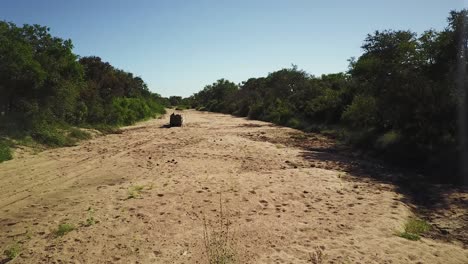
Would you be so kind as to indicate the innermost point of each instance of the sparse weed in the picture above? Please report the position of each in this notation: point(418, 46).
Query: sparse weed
point(414, 228)
point(217, 239)
point(64, 229)
point(90, 220)
point(134, 191)
point(317, 257)
point(12, 251)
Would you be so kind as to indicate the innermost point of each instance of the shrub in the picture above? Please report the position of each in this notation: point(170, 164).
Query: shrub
point(362, 113)
point(127, 111)
point(256, 111)
point(361, 138)
point(294, 123)
point(50, 136)
point(181, 107)
point(5, 151)
point(388, 139)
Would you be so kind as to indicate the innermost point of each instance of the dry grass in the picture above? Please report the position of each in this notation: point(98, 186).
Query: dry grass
point(134, 191)
point(317, 257)
point(217, 239)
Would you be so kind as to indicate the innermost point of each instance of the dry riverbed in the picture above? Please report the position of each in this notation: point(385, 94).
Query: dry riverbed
point(148, 195)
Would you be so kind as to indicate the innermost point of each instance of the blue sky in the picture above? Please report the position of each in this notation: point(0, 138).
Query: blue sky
point(179, 46)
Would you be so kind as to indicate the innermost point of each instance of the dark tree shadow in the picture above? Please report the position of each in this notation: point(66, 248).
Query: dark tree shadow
point(442, 205)
point(249, 125)
point(432, 202)
point(3, 261)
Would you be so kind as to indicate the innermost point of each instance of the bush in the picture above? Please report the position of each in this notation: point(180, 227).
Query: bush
point(5, 151)
point(362, 113)
point(388, 139)
point(182, 107)
point(127, 111)
point(294, 123)
point(361, 138)
point(51, 136)
point(256, 111)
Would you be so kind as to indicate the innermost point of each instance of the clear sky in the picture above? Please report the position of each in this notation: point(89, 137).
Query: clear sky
point(179, 46)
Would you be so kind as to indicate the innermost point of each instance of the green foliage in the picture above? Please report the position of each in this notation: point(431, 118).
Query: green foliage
point(182, 107)
point(414, 228)
point(175, 100)
point(398, 99)
point(388, 139)
point(216, 97)
point(12, 251)
point(64, 229)
point(45, 89)
point(5, 151)
point(127, 111)
point(51, 136)
point(361, 112)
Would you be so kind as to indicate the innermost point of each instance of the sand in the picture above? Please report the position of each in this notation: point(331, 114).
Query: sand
point(280, 208)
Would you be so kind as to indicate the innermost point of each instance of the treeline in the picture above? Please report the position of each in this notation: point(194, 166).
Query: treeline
point(398, 100)
point(45, 88)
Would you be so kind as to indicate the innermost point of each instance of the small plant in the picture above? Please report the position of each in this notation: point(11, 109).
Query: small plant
point(414, 228)
point(13, 251)
point(317, 257)
point(64, 229)
point(90, 220)
point(218, 241)
point(134, 191)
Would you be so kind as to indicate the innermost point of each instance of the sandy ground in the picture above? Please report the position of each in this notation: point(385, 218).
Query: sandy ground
point(279, 206)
